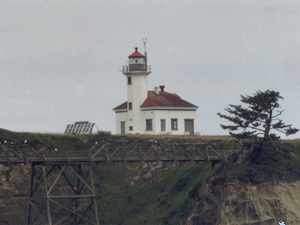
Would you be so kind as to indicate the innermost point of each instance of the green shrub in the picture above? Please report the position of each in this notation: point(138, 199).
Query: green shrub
point(266, 163)
point(297, 149)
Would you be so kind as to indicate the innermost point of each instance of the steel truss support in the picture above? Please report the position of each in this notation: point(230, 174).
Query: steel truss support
point(62, 194)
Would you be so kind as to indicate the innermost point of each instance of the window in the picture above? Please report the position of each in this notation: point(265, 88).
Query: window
point(130, 105)
point(149, 124)
point(174, 124)
point(131, 128)
point(129, 80)
point(163, 125)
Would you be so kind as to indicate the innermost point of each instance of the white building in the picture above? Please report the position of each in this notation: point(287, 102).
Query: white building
point(151, 112)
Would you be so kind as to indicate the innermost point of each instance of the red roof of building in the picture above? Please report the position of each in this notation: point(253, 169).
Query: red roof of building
point(165, 99)
point(136, 54)
point(122, 106)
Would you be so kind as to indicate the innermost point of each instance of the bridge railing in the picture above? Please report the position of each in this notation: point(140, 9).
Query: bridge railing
point(118, 152)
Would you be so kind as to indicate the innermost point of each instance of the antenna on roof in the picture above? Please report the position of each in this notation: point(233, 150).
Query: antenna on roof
point(145, 41)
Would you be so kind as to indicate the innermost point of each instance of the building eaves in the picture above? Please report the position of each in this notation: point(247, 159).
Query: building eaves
point(123, 106)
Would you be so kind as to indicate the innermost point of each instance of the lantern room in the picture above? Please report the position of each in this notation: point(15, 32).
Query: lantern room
point(137, 62)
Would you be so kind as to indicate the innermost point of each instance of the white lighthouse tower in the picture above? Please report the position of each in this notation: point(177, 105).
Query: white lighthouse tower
point(137, 72)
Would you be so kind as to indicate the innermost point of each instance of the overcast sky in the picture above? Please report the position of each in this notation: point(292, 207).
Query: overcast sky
point(60, 60)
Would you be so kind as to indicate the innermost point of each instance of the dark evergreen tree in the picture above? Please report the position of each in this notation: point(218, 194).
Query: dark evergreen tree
point(259, 118)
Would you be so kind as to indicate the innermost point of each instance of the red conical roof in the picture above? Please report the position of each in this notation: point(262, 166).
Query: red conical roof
point(136, 54)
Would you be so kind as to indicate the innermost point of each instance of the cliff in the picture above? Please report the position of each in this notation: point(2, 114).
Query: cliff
point(242, 190)
point(256, 189)
point(238, 203)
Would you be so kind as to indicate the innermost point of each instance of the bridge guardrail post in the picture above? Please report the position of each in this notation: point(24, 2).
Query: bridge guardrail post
point(140, 154)
point(206, 152)
point(157, 154)
point(173, 153)
point(7, 157)
point(25, 154)
point(67, 158)
point(107, 154)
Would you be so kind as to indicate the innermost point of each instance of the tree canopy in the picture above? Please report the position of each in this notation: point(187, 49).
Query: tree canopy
point(259, 118)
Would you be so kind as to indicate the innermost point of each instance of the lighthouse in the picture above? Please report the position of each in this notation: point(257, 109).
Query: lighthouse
point(137, 72)
point(151, 111)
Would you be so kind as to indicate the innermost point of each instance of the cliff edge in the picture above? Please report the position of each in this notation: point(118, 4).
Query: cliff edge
point(255, 188)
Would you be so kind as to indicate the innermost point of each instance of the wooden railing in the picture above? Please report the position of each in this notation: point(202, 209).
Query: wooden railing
point(119, 152)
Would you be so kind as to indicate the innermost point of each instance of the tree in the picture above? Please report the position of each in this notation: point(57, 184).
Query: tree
point(259, 118)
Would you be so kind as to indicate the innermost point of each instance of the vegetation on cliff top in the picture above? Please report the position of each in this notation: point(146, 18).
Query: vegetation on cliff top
point(273, 164)
point(266, 159)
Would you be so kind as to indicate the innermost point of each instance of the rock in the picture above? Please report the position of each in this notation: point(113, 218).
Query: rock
point(238, 203)
point(148, 175)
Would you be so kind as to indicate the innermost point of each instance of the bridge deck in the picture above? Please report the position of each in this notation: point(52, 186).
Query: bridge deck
point(122, 152)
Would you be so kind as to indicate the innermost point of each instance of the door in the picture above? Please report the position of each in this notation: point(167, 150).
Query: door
point(162, 125)
point(189, 126)
point(122, 127)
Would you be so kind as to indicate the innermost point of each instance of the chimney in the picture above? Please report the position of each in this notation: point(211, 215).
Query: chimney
point(156, 89)
point(162, 87)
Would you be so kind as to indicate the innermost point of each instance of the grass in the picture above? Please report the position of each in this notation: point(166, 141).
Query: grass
point(49, 142)
point(192, 138)
point(166, 199)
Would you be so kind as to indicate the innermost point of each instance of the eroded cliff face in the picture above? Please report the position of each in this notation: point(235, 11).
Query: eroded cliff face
point(14, 184)
point(238, 204)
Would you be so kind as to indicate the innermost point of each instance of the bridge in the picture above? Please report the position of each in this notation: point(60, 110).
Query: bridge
point(62, 182)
